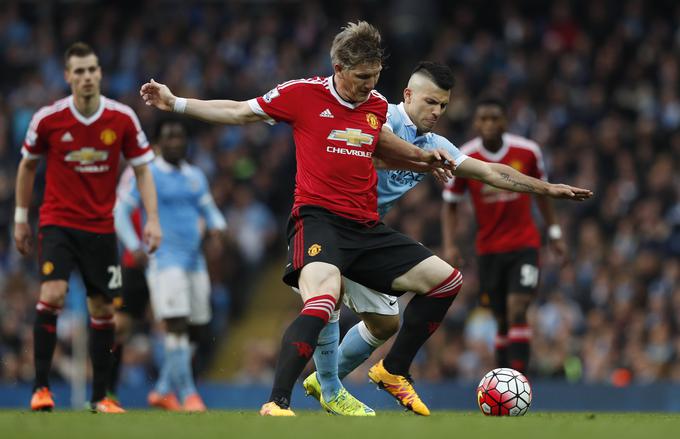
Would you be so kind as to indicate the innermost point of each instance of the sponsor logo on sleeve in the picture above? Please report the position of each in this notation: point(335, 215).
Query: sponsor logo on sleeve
point(271, 94)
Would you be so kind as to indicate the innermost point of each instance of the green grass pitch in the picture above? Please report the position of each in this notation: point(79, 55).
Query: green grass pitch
point(317, 425)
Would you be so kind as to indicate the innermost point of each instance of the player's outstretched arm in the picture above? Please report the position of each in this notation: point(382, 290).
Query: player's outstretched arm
point(394, 151)
point(23, 237)
point(152, 234)
point(505, 177)
point(441, 174)
point(217, 111)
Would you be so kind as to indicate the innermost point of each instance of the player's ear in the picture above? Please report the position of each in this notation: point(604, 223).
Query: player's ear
point(408, 93)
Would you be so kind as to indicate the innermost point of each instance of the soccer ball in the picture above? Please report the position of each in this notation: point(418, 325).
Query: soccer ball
point(504, 392)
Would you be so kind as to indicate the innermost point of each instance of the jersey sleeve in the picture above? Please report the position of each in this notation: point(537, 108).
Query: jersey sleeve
point(280, 104)
point(128, 200)
point(214, 219)
point(538, 170)
point(35, 142)
point(440, 142)
point(136, 148)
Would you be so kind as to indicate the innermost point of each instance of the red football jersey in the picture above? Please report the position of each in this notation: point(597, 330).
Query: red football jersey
point(82, 160)
point(504, 218)
point(334, 143)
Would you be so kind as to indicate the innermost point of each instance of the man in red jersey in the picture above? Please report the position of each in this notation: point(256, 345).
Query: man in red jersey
point(82, 137)
point(334, 228)
point(507, 239)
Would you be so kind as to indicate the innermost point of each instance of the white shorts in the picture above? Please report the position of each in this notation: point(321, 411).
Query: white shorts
point(362, 299)
point(179, 293)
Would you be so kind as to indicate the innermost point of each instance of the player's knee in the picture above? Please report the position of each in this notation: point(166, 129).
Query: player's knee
point(449, 287)
point(384, 327)
point(53, 292)
point(320, 278)
point(100, 307)
point(123, 327)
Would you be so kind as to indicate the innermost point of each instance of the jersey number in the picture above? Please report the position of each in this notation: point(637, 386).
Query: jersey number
point(116, 280)
point(529, 275)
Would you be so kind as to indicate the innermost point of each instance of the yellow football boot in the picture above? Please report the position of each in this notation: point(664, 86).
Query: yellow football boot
point(399, 387)
point(272, 409)
point(343, 404)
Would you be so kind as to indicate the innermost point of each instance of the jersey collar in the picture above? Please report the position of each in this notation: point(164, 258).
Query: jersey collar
point(407, 120)
point(86, 120)
point(336, 95)
point(494, 156)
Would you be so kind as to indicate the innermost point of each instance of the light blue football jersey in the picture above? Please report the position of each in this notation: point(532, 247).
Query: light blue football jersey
point(392, 184)
point(184, 199)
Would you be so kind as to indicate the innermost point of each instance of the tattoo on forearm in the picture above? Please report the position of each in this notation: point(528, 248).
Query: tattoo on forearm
point(517, 184)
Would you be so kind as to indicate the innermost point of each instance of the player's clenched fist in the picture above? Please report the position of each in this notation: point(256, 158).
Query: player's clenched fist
point(152, 235)
point(157, 94)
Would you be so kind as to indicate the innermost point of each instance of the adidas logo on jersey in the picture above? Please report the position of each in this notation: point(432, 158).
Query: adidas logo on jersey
point(326, 113)
point(67, 137)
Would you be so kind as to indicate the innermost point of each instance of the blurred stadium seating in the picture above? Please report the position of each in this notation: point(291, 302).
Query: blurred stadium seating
point(596, 83)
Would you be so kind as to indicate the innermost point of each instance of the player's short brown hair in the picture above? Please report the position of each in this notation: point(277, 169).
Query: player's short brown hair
point(78, 49)
point(357, 43)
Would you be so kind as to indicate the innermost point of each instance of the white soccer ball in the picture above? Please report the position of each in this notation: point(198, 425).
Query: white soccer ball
point(504, 392)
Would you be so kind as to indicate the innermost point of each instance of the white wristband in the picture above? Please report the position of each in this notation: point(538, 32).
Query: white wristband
point(21, 215)
point(180, 105)
point(555, 232)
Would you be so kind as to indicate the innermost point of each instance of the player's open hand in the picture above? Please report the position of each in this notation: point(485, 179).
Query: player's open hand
point(152, 235)
point(441, 164)
point(23, 238)
point(569, 192)
point(157, 94)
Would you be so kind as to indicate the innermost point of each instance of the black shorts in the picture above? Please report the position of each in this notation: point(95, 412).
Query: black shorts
point(371, 255)
point(61, 249)
point(504, 273)
point(135, 294)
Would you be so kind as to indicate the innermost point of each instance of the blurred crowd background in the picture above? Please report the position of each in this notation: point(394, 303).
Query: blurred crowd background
point(595, 83)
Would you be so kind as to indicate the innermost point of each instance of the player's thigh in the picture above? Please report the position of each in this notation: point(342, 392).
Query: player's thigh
point(99, 264)
point(56, 258)
point(199, 299)
point(362, 299)
point(493, 285)
point(424, 277)
point(169, 292)
point(315, 256)
point(386, 256)
point(523, 276)
point(523, 271)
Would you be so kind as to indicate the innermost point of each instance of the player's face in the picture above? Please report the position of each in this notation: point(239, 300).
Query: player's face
point(173, 142)
point(355, 84)
point(425, 103)
point(490, 122)
point(84, 75)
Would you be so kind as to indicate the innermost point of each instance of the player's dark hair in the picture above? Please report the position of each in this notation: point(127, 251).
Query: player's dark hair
point(78, 49)
point(492, 101)
point(357, 43)
point(169, 120)
point(439, 73)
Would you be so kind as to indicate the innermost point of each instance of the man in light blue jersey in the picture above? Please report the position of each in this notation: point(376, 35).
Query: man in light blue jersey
point(425, 100)
point(177, 276)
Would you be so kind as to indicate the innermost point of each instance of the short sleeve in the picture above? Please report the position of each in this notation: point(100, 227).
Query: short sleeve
point(440, 142)
point(280, 104)
point(35, 142)
point(136, 148)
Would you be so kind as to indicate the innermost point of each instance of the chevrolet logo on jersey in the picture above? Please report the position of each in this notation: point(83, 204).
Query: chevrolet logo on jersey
point(351, 136)
point(87, 156)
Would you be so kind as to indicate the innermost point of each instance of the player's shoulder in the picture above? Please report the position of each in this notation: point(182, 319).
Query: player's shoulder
point(520, 142)
point(471, 146)
point(120, 109)
point(375, 94)
point(303, 83)
point(51, 110)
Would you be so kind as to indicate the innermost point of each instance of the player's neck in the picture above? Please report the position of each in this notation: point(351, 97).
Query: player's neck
point(493, 145)
point(87, 106)
point(341, 92)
